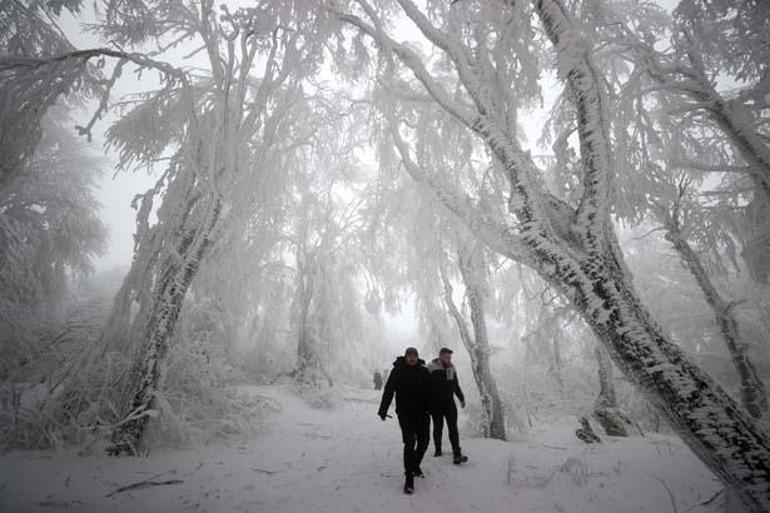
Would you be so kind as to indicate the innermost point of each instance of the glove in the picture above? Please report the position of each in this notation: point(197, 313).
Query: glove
point(382, 414)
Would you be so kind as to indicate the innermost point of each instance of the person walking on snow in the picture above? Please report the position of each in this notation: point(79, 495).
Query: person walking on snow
point(410, 382)
point(444, 385)
point(377, 380)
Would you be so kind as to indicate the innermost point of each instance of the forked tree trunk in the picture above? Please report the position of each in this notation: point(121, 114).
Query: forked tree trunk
point(471, 269)
point(753, 394)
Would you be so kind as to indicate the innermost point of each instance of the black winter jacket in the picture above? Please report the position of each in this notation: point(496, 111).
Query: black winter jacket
point(444, 385)
point(411, 384)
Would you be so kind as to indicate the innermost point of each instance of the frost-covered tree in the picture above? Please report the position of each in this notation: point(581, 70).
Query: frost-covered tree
point(225, 128)
point(49, 234)
point(213, 128)
point(572, 245)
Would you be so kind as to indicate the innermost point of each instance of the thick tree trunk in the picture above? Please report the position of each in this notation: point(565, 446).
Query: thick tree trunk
point(471, 266)
point(753, 394)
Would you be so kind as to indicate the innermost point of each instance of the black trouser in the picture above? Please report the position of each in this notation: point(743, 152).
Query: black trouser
point(415, 428)
point(438, 414)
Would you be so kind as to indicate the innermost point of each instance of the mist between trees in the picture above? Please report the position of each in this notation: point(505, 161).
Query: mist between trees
point(325, 167)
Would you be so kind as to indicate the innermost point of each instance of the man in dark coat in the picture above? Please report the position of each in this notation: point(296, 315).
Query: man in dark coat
point(444, 385)
point(410, 382)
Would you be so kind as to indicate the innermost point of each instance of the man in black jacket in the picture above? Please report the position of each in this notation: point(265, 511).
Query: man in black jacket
point(410, 381)
point(444, 386)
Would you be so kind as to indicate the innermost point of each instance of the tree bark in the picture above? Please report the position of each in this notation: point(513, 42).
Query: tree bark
point(753, 394)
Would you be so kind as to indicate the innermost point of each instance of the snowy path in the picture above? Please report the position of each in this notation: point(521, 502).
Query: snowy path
point(346, 460)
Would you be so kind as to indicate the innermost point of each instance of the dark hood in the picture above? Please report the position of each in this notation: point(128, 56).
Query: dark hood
point(401, 362)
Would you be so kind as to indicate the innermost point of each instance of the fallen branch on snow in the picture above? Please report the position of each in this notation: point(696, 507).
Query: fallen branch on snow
point(147, 483)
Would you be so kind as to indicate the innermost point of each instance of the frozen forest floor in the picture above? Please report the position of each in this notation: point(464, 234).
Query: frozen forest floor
point(345, 459)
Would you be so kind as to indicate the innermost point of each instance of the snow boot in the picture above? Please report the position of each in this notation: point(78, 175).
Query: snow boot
point(459, 458)
point(409, 484)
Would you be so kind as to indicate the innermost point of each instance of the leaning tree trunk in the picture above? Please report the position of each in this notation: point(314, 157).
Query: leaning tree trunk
point(710, 422)
point(753, 394)
point(478, 345)
point(177, 268)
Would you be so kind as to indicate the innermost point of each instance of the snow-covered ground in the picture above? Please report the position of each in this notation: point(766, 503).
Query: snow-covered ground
point(345, 459)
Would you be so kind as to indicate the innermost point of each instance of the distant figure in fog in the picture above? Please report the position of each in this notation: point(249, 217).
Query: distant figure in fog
point(377, 380)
